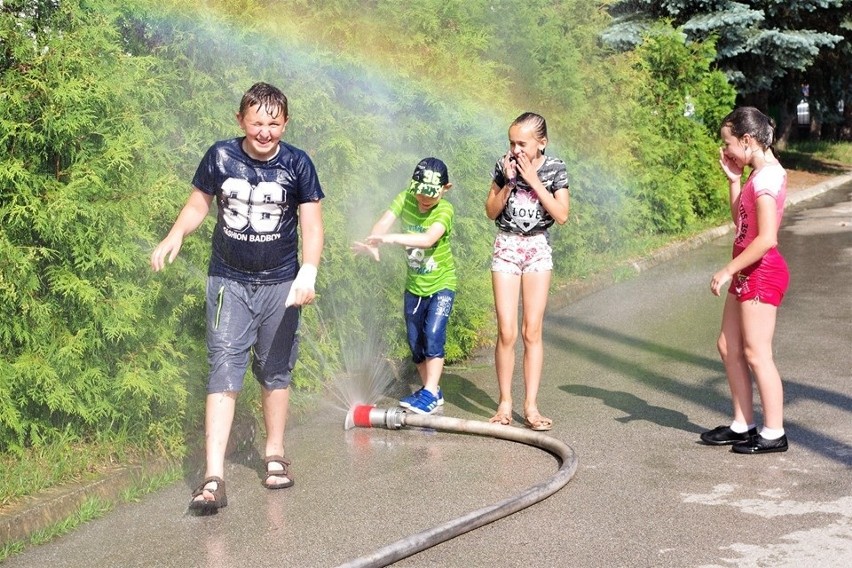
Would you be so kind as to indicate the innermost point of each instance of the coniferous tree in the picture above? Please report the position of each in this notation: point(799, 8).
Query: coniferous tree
point(769, 49)
point(84, 351)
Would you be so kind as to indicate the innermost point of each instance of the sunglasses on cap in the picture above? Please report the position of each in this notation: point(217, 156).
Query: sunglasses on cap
point(424, 189)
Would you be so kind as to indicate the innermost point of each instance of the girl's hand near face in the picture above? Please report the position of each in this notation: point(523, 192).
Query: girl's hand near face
point(529, 173)
point(510, 167)
point(526, 169)
point(732, 170)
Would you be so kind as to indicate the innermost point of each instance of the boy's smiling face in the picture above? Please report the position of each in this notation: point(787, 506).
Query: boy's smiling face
point(264, 127)
point(427, 202)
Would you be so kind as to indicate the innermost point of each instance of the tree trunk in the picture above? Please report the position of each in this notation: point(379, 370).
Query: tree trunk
point(784, 128)
point(844, 132)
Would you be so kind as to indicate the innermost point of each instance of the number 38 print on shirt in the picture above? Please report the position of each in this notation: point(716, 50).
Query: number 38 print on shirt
point(255, 238)
point(260, 207)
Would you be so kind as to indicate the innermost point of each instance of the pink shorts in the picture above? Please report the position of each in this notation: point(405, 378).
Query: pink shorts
point(518, 254)
point(764, 281)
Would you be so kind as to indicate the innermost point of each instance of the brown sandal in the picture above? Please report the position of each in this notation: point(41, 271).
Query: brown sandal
point(220, 498)
point(285, 472)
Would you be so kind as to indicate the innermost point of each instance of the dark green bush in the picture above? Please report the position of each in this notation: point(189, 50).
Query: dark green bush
point(85, 347)
point(108, 106)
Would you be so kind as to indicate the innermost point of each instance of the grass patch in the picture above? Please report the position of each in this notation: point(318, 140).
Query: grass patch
point(93, 508)
point(826, 158)
point(828, 151)
point(623, 273)
point(68, 461)
point(150, 483)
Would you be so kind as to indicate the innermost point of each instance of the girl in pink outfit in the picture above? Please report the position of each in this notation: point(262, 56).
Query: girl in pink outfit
point(758, 279)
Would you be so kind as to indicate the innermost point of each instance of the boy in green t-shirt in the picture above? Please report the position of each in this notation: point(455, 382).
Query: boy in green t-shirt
point(426, 223)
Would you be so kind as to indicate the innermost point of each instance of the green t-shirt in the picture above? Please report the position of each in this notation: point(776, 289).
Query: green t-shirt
point(431, 269)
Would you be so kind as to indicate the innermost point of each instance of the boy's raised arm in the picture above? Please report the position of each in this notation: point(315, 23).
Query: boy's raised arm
point(190, 217)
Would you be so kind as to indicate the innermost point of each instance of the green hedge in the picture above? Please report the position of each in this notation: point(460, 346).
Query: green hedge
point(107, 107)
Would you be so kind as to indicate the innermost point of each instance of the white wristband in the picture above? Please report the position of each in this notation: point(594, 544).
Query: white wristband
point(305, 280)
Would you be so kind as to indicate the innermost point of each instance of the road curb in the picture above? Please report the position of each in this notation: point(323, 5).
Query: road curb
point(39, 512)
point(22, 519)
point(818, 189)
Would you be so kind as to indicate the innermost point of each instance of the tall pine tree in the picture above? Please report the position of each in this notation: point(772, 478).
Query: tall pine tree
point(770, 49)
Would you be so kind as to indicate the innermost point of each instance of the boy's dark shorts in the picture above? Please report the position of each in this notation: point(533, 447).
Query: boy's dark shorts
point(250, 319)
point(426, 320)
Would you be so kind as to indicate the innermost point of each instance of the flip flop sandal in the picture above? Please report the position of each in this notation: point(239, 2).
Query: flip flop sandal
point(501, 418)
point(220, 498)
point(538, 423)
point(285, 472)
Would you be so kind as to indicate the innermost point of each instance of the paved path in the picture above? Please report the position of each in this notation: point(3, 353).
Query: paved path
point(631, 378)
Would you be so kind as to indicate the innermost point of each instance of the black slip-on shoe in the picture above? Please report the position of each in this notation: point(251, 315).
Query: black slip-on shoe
point(760, 445)
point(724, 435)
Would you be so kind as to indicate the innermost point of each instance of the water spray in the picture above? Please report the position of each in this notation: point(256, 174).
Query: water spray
point(368, 416)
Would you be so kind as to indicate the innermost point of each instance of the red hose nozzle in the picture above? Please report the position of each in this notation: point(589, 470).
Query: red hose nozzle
point(361, 415)
point(368, 416)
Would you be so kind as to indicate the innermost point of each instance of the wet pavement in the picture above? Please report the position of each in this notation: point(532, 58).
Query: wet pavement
point(631, 377)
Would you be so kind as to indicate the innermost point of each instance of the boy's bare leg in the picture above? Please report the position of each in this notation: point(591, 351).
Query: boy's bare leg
point(275, 405)
point(430, 372)
point(218, 417)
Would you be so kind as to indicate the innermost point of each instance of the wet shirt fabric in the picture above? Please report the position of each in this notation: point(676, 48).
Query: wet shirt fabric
point(255, 239)
point(767, 279)
point(432, 269)
point(770, 180)
point(524, 214)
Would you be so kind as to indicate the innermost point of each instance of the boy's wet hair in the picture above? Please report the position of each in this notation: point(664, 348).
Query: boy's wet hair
point(749, 120)
point(266, 96)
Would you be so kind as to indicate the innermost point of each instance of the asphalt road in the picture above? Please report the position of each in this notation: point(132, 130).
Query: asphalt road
point(631, 378)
